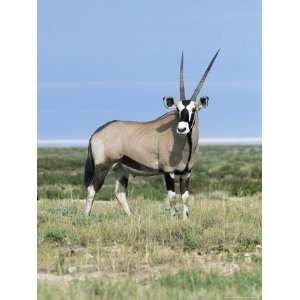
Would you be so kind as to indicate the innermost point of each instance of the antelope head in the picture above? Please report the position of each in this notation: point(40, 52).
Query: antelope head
point(188, 109)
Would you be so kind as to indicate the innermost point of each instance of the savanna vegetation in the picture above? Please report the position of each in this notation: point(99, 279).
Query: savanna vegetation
point(215, 254)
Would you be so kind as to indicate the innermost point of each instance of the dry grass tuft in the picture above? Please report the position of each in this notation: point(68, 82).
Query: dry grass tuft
point(110, 247)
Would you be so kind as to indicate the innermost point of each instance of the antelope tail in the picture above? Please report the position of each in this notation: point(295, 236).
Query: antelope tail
point(89, 167)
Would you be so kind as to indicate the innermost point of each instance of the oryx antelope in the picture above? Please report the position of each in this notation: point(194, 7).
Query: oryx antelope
point(165, 146)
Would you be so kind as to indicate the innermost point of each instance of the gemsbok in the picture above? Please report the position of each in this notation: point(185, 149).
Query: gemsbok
point(166, 145)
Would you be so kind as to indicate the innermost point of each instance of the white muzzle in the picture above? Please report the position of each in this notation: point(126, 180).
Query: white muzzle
point(183, 128)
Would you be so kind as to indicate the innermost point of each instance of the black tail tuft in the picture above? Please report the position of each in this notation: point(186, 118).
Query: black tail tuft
point(89, 168)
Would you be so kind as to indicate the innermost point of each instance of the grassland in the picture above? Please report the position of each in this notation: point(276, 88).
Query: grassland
point(216, 254)
point(233, 169)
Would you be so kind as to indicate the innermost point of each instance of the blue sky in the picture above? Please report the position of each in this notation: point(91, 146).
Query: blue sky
point(104, 60)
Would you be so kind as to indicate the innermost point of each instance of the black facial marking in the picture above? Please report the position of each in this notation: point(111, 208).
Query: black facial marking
point(184, 115)
point(170, 182)
point(186, 102)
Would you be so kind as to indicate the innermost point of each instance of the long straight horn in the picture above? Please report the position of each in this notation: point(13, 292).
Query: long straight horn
point(182, 92)
point(201, 82)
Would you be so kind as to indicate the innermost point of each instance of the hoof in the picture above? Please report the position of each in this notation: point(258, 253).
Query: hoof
point(173, 212)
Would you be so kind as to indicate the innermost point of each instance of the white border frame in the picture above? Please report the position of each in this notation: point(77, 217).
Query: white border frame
point(281, 151)
point(281, 114)
point(18, 77)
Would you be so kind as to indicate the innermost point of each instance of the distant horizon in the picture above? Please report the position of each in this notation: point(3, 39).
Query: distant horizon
point(43, 143)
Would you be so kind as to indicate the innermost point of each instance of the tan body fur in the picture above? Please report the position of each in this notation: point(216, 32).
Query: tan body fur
point(154, 144)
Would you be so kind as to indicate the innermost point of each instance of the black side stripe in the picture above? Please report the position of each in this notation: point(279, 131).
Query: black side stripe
point(189, 137)
point(127, 161)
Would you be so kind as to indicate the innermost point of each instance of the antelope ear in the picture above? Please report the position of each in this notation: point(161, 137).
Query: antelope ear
point(204, 101)
point(169, 102)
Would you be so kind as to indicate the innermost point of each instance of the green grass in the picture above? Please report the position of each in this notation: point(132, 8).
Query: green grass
point(207, 251)
point(183, 285)
point(215, 254)
point(235, 169)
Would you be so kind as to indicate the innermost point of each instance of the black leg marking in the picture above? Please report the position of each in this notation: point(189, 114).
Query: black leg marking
point(170, 185)
point(101, 172)
point(184, 184)
point(170, 182)
point(121, 187)
point(124, 181)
